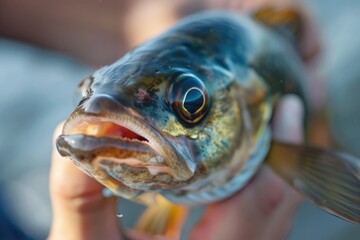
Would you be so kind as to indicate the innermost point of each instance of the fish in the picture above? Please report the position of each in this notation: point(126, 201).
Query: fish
point(186, 116)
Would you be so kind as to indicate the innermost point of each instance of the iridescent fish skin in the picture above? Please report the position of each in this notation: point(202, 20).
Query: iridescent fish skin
point(186, 114)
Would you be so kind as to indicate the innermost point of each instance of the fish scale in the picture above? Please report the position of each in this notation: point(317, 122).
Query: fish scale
point(241, 66)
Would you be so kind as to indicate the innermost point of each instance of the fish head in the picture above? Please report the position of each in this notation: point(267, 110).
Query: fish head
point(155, 120)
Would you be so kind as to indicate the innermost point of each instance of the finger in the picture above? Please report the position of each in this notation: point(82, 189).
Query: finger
point(79, 209)
point(287, 126)
point(288, 120)
point(262, 210)
point(265, 207)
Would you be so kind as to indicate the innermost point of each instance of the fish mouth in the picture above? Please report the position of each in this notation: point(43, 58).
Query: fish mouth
point(123, 152)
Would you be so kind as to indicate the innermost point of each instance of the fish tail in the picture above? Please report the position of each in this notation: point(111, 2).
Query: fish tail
point(329, 179)
point(163, 218)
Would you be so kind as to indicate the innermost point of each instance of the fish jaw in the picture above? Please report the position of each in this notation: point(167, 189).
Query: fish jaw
point(122, 150)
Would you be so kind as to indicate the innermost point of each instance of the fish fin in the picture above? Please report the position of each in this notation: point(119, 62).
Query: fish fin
point(163, 218)
point(329, 179)
point(286, 21)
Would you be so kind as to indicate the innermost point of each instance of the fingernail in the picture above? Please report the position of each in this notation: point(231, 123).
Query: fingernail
point(288, 120)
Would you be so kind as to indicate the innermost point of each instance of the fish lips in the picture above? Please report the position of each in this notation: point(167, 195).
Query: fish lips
point(133, 163)
point(148, 162)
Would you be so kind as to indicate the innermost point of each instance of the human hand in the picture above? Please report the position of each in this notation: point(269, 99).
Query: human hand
point(262, 210)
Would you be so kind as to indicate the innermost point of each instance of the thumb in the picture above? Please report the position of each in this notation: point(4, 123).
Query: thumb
point(80, 211)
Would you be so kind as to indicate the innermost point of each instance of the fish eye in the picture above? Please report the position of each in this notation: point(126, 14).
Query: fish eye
point(188, 98)
point(194, 100)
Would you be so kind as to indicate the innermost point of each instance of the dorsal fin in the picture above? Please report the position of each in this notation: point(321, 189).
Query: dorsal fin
point(288, 22)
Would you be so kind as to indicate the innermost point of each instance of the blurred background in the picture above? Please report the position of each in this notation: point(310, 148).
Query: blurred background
point(46, 48)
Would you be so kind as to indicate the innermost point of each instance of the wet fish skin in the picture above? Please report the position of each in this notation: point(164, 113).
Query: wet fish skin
point(237, 60)
point(211, 141)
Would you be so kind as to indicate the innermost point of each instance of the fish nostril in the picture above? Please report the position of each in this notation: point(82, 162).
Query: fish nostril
point(100, 103)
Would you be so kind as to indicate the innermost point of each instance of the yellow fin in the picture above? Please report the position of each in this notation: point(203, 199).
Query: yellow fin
point(163, 218)
point(330, 179)
point(287, 21)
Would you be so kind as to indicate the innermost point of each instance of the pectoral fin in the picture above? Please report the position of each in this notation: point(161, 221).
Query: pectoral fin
point(163, 218)
point(330, 179)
